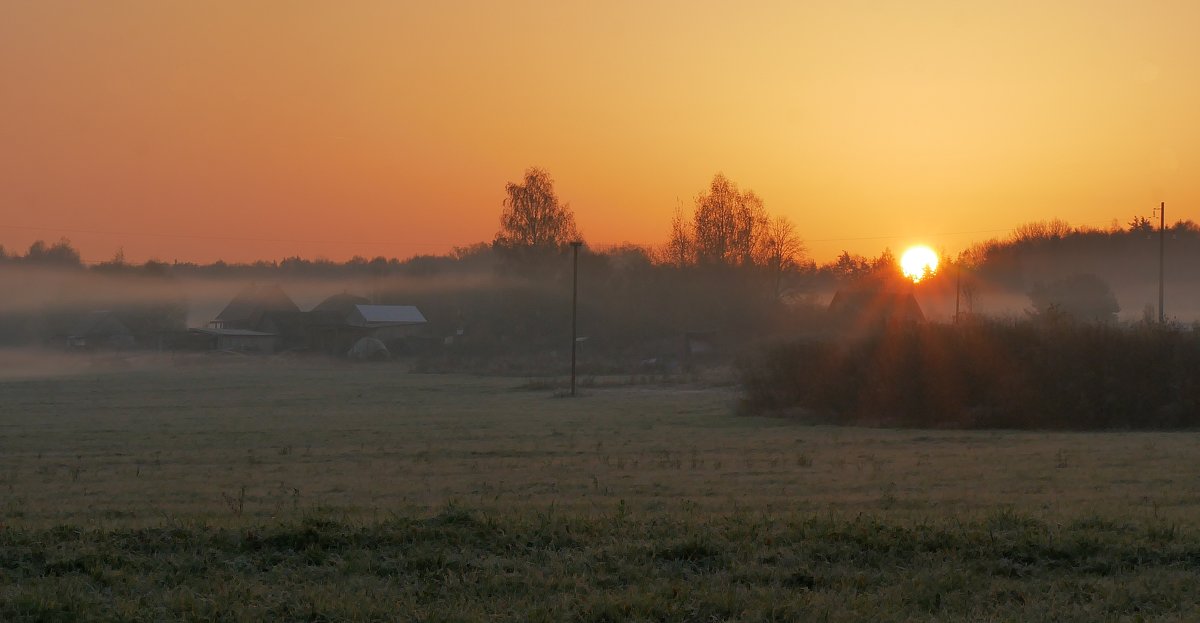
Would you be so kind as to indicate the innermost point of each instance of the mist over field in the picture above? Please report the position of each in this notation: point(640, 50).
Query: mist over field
point(628, 285)
point(535, 312)
point(717, 427)
point(735, 431)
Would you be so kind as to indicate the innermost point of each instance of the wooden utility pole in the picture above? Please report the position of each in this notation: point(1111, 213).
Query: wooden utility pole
point(574, 308)
point(1162, 237)
point(957, 288)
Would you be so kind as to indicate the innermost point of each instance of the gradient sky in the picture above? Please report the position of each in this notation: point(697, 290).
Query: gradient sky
point(246, 130)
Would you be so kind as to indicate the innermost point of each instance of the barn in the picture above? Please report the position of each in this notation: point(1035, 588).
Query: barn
point(387, 322)
point(100, 330)
point(249, 307)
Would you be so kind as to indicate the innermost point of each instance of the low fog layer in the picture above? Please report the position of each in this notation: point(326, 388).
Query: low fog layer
point(36, 290)
point(635, 304)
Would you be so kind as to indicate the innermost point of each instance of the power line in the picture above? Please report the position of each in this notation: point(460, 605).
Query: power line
point(71, 230)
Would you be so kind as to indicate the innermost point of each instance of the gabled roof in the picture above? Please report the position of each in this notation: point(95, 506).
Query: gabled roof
point(874, 305)
point(99, 323)
point(255, 299)
point(342, 303)
point(386, 315)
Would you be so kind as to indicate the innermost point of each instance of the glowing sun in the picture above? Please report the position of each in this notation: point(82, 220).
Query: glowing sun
point(917, 262)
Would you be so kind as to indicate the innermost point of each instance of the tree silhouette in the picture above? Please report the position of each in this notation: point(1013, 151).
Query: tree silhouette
point(848, 267)
point(1053, 229)
point(533, 217)
point(680, 248)
point(60, 253)
point(727, 225)
point(781, 249)
point(1141, 225)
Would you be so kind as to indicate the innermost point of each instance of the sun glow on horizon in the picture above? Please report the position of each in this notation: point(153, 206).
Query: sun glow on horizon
point(918, 262)
point(384, 128)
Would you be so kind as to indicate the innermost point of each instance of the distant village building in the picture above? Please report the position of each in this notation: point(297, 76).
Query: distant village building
point(263, 319)
point(293, 329)
point(100, 330)
point(249, 323)
point(341, 304)
point(387, 322)
point(871, 307)
point(341, 321)
point(248, 309)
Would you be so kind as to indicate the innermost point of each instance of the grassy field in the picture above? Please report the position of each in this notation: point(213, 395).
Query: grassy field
point(296, 491)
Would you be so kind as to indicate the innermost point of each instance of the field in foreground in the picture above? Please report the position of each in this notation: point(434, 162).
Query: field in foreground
point(360, 492)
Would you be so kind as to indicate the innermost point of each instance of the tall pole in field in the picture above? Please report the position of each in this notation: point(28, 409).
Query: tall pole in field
point(574, 308)
point(1162, 237)
point(957, 288)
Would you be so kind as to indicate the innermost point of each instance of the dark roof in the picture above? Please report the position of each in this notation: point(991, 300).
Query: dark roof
point(874, 305)
point(255, 299)
point(387, 315)
point(341, 304)
point(99, 323)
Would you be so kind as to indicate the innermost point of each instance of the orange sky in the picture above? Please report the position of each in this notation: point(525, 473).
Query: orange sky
point(247, 130)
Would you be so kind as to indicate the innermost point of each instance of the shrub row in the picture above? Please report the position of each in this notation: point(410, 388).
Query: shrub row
point(985, 374)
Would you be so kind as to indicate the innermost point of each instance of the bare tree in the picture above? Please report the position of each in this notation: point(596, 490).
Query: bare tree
point(727, 224)
point(1053, 229)
point(680, 245)
point(533, 217)
point(781, 249)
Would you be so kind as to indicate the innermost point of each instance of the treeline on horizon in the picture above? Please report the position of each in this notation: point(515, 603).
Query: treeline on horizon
point(737, 280)
point(1035, 249)
point(729, 236)
point(727, 265)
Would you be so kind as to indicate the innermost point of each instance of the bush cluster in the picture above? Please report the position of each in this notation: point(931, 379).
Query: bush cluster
point(1039, 373)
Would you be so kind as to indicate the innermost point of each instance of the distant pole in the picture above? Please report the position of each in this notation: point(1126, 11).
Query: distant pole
point(957, 288)
point(1162, 237)
point(574, 308)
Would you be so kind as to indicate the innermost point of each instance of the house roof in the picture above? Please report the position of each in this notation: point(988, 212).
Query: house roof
point(389, 314)
point(877, 305)
point(342, 303)
point(255, 299)
point(99, 323)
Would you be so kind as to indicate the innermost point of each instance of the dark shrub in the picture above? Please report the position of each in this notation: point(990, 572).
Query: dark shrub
point(1029, 374)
